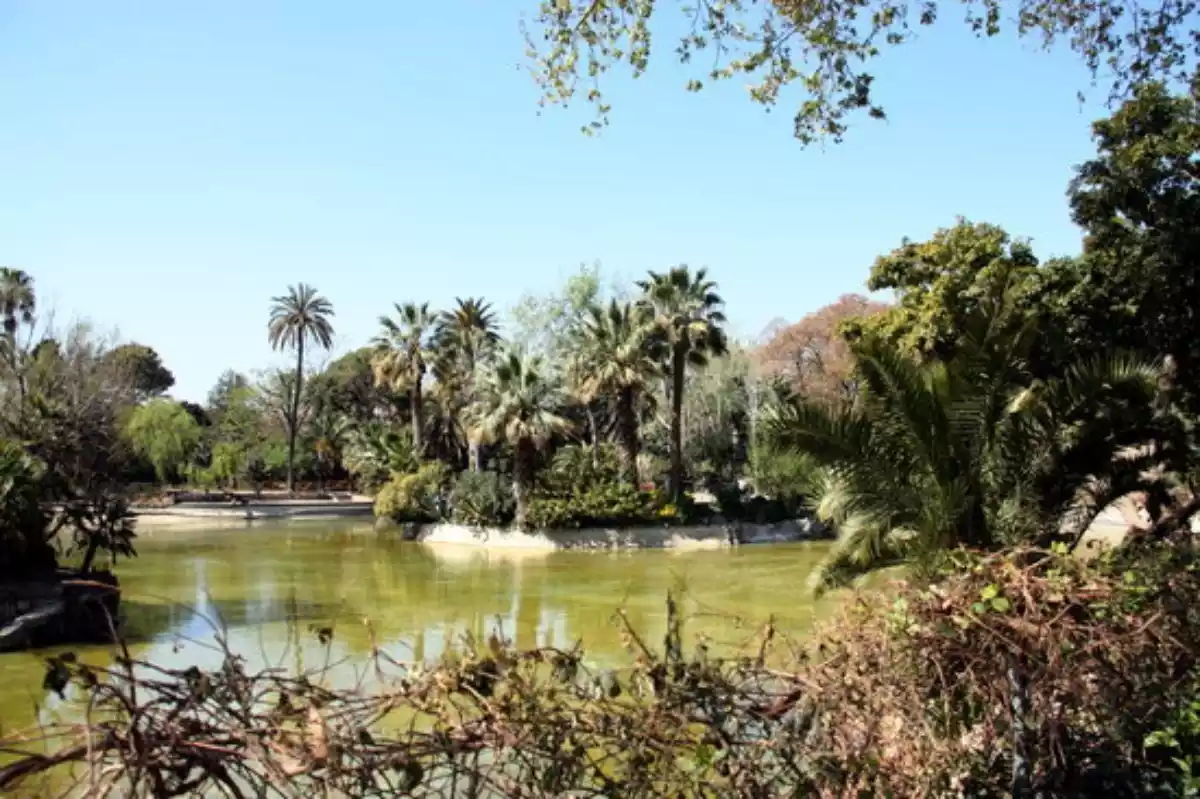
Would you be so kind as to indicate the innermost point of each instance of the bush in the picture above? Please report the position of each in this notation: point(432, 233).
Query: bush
point(1021, 673)
point(413, 496)
point(481, 499)
point(24, 550)
point(577, 468)
point(916, 695)
point(611, 505)
point(782, 474)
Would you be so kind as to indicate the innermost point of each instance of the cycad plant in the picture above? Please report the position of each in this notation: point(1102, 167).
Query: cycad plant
point(518, 406)
point(972, 452)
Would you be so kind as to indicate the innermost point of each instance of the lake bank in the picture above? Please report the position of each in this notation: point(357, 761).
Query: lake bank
point(709, 536)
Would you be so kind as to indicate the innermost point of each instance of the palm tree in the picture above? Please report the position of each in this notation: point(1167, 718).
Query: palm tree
point(618, 358)
point(17, 304)
point(687, 314)
point(968, 452)
point(517, 406)
point(297, 317)
point(17, 301)
point(399, 359)
point(467, 336)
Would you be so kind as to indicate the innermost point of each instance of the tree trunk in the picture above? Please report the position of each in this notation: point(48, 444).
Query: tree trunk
point(475, 456)
point(595, 434)
point(418, 415)
point(627, 433)
point(90, 555)
point(675, 476)
point(294, 422)
point(522, 458)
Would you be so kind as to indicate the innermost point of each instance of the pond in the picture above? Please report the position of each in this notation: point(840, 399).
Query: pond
point(272, 586)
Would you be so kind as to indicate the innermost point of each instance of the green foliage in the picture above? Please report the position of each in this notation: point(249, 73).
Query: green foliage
point(98, 524)
point(942, 283)
point(481, 499)
point(782, 474)
point(413, 496)
point(163, 432)
point(611, 505)
point(580, 467)
point(825, 49)
point(375, 451)
point(549, 325)
point(144, 369)
point(24, 550)
point(970, 451)
point(1136, 285)
point(689, 328)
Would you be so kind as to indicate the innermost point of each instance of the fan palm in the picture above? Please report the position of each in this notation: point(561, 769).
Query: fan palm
point(400, 356)
point(467, 336)
point(518, 406)
point(297, 317)
point(618, 358)
point(967, 452)
point(687, 314)
point(17, 301)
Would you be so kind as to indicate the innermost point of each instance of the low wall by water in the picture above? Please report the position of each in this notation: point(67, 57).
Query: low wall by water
point(713, 536)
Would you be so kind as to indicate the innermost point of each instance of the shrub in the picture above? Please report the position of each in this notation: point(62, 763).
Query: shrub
point(576, 468)
point(24, 549)
point(610, 505)
point(481, 499)
point(781, 474)
point(1023, 673)
point(916, 696)
point(413, 496)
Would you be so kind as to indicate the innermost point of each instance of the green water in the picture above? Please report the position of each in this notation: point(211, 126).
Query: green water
point(266, 585)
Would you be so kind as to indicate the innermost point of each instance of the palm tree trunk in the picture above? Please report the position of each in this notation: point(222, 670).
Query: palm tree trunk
point(675, 477)
point(475, 456)
point(418, 418)
point(294, 422)
point(595, 434)
point(522, 474)
point(627, 432)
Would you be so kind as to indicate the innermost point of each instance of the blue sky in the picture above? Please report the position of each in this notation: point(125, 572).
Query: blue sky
point(165, 168)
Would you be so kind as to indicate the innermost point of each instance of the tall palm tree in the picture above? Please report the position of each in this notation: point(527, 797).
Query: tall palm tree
point(687, 314)
point(618, 358)
point(400, 358)
point(297, 317)
point(17, 304)
point(467, 336)
point(17, 301)
point(969, 452)
point(518, 406)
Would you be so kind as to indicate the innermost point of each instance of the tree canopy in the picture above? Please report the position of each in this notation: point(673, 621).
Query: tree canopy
point(145, 368)
point(826, 49)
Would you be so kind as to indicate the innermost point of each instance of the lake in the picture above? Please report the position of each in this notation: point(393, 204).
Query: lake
point(271, 586)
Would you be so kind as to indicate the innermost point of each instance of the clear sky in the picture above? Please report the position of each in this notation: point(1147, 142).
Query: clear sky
point(167, 167)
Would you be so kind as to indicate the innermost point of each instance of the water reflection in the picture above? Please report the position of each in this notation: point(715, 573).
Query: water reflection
point(265, 589)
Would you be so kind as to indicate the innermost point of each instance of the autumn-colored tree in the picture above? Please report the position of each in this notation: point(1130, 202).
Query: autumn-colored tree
point(812, 355)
